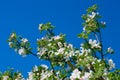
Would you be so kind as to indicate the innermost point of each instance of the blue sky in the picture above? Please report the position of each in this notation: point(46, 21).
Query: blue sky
point(23, 17)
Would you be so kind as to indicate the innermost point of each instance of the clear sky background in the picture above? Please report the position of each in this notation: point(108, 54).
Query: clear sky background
point(23, 17)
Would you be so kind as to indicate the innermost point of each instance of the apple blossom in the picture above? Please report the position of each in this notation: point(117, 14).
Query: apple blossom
point(13, 35)
point(44, 66)
point(94, 44)
point(22, 51)
point(110, 50)
point(35, 68)
point(31, 76)
point(75, 74)
point(24, 40)
point(111, 64)
point(40, 26)
point(5, 77)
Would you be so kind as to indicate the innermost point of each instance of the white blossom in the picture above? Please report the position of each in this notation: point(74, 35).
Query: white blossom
point(93, 62)
point(70, 46)
point(45, 75)
point(10, 43)
point(75, 74)
point(30, 76)
point(111, 64)
point(44, 66)
point(71, 53)
point(65, 44)
point(99, 60)
point(88, 19)
point(105, 71)
point(22, 51)
point(61, 50)
point(58, 72)
point(94, 44)
point(84, 51)
point(40, 27)
point(12, 35)
point(105, 78)
point(84, 28)
point(56, 53)
point(59, 44)
point(5, 77)
point(19, 77)
point(91, 16)
point(42, 51)
point(50, 44)
point(110, 50)
point(87, 75)
point(57, 37)
point(81, 44)
point(35, 68)
point(24, 40)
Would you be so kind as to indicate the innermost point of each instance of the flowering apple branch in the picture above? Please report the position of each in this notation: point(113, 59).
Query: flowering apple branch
point(72, 63)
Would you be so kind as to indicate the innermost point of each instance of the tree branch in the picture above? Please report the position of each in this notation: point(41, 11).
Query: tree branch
point(102, 55)
point(27, 50)
point(52, 66)
point(71, 65)
point(100, 36)
point(96, 36)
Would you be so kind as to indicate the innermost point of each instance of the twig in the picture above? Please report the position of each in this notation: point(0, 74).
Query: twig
point(52, 66)
point(96, 36)
point(102, 55)
point(27, 49)
point(100, 36)
point(71, 65)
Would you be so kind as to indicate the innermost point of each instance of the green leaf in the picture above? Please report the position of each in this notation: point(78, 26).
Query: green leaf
point(92, 8)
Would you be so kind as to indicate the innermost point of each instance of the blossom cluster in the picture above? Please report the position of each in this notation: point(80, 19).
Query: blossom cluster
point(8, 76)
point(40, 73)
point(76, 75)
point(94, 44)
point(55, 47)
point(20, 45)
